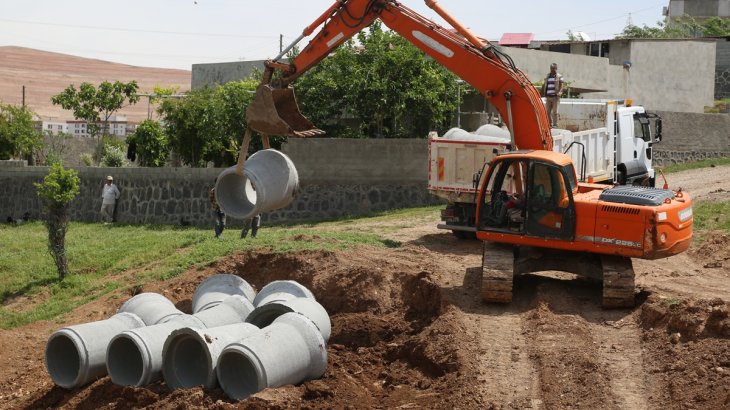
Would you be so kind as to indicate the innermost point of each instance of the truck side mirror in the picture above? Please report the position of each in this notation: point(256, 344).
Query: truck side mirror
point(658, 130)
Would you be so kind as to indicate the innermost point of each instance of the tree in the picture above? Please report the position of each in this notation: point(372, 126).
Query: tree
point(208, 124)
point(18, 136)
point(150, 144)
point(97, 105)
point(55, 146)
point(683, 27)
point(387, 83)
point(58, 189)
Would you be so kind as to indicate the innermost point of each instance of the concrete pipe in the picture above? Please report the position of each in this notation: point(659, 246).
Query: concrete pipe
point(215, 288)
point(269, 181)
point(75, 355)
point(289, 351)
point(189, 356)
point(232, 309)
point(281, 290)
point(134, 357)
point(152, 308)
point(264, 315)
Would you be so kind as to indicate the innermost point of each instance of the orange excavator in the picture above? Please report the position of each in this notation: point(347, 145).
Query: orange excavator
point(529, 199)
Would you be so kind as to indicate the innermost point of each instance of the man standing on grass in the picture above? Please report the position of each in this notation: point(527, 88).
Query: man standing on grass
point(109, 196)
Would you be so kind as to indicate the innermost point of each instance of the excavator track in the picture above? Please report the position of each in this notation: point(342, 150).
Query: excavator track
point(497, 273)
point(618, 282)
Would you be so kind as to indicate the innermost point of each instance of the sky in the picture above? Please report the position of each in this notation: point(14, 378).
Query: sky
point(179, 33)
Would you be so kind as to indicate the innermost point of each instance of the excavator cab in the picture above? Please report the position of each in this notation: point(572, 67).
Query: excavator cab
point(528, 196)
point(274, 111)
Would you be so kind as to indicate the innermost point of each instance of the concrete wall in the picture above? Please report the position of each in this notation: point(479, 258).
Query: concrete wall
point(221, 73)
point(582, 71)
point(665, 75)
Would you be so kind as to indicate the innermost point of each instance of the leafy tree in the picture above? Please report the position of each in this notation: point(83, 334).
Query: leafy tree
point(18, 137)
point(58, 189)
point(382, 80)
point(113, 157)
point(150, 144)
point(208, 124)
point(683, 27)
point(96, 105)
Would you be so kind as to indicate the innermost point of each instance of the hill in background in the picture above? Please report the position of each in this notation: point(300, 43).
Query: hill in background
point(45, 74)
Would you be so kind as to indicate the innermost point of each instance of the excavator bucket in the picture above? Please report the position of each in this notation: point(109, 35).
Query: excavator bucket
point(274, 111)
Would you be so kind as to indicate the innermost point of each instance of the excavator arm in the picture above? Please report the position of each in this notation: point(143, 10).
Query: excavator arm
point(274, 110)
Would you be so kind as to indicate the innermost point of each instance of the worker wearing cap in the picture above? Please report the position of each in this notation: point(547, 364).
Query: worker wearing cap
point(109, 196)
point(552, 88)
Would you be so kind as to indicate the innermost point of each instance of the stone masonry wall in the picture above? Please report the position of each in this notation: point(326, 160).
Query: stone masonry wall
point(337, 178)
point(180, 195)
point(692, 137)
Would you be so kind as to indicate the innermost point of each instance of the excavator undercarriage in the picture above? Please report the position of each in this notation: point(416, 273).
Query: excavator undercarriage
point(501, 263)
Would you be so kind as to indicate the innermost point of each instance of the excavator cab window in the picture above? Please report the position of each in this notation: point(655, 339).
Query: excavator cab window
point(550, 208)
point(503, 206)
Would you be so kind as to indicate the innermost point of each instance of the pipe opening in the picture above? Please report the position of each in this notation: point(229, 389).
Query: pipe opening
point(238, 375)
point(63, 361)
point(236, 194)
point(187, 364)
point(124, 362)
point(266, 314)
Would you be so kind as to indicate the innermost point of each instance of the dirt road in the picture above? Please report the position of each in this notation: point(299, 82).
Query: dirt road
point(409, 331)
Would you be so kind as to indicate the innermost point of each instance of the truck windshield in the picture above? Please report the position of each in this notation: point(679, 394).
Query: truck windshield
point(641, 127)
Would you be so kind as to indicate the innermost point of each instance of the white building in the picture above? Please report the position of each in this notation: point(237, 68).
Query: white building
point(118, 126)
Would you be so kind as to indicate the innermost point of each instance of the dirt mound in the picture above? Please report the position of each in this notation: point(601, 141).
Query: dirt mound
point(687, 344)
point(714, 252)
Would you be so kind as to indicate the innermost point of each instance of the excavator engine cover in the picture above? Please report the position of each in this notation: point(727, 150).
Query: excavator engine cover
point(274, 111)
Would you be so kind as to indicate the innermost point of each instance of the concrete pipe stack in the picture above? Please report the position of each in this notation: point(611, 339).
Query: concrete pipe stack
point(236, 338)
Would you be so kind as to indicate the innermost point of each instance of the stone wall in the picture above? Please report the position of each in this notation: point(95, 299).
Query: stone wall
point(692, 137)
point(337, 178)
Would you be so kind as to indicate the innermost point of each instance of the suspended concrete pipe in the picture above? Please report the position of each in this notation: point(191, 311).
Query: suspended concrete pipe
point(75, 355)
point(269, 181)
point(152, 308)
point(189, 356)
point(265, 314)
point(289, 351)
point(281, 290)
point(214, 289)
point(134, 357)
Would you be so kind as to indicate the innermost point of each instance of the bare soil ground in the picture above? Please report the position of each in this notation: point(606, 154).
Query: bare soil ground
point(409, 331)
point(45, 74)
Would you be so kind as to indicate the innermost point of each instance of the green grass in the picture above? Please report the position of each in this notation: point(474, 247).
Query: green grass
point(712, 216)
point(99, 254)
point(706, 163)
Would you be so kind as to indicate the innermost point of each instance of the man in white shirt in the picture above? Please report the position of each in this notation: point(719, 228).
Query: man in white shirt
point(109, 196)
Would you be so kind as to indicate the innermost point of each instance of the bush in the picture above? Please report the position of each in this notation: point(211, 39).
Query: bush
point(87, 159)
point(113, 157)
point(150, 144)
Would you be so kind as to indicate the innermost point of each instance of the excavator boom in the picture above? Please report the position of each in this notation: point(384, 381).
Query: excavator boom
point(274, 110)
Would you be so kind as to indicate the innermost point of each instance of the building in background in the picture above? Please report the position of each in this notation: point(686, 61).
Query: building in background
point(118, 126)
point(700, 10)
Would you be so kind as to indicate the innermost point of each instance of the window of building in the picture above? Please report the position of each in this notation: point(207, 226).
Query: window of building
point(598, 49)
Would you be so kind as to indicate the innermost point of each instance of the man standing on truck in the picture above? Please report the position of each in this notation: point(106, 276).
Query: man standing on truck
point(552, 88)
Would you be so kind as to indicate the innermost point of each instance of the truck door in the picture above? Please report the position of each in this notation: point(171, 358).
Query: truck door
point(550, 206)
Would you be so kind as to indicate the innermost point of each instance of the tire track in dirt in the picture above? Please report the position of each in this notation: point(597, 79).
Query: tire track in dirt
point(586, 357)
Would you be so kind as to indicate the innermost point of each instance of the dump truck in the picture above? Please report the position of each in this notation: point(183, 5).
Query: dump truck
point(610, 141)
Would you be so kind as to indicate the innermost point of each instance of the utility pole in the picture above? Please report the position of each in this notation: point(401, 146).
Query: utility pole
point(23, 96)
point(281, 42)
